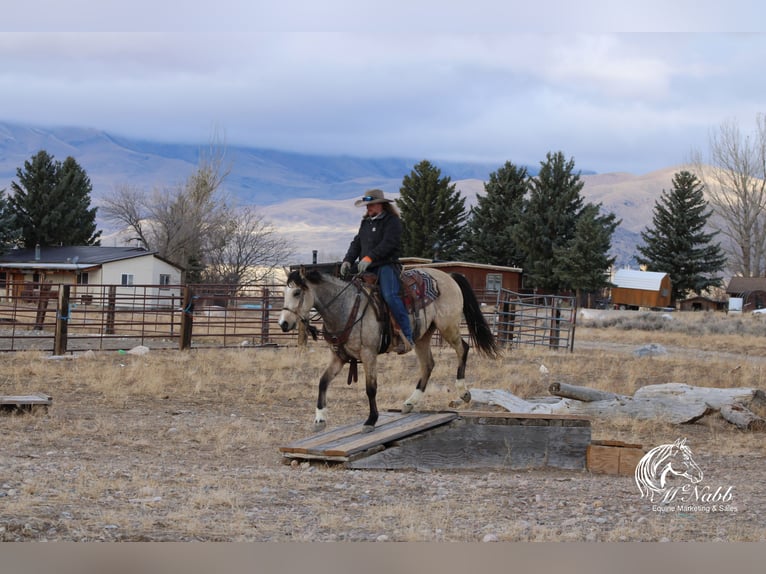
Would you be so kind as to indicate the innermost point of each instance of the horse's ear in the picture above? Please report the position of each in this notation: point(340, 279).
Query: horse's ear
point(680, 442)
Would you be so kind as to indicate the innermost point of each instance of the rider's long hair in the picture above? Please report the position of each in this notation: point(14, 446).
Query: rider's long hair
point(391, 208)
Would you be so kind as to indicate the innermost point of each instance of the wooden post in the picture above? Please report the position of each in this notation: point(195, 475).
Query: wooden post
point(62, 321)
point(265, 316)
point(187, 318)
point(43, 294)
point(111, 304)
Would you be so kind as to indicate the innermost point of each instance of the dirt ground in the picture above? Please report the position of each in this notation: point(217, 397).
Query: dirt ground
point(178, 446)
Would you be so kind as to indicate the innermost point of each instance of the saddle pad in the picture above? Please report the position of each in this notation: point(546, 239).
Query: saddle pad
point(419, 289)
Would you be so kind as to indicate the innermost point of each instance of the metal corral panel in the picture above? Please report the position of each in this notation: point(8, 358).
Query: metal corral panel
point(635, 279)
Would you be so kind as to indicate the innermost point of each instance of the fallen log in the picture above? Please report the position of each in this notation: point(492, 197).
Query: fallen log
point(585, 394)
point(742, 417)
point(674, 403)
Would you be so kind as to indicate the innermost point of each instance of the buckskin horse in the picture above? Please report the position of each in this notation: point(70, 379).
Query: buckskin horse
point(356, 326)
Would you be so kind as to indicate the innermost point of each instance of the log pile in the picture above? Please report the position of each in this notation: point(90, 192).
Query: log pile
point(675, 403)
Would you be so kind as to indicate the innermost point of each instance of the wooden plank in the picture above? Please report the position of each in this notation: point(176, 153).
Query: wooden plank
point(348, 440)
point(314, 442)
point(383, 434)
point(35, 399)
point(619, 458)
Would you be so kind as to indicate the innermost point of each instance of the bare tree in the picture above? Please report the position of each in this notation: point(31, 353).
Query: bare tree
point(179, 222)
point(735, 179)
point(245, 250)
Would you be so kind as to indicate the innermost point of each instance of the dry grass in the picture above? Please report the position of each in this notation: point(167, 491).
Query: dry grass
point(184, 446)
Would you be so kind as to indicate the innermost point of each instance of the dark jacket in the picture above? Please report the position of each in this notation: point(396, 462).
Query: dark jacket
point(378, 238)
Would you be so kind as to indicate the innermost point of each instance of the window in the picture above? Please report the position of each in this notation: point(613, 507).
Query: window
point(82, 278)
point(3, 280)
point(494, 281)
point(164, 279)
point(127, 279)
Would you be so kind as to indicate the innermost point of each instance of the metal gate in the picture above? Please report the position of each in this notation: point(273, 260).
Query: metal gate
point(543, 320)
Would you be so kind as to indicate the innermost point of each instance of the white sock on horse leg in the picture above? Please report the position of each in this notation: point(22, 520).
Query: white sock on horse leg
point(414, 398)
point(320, 416)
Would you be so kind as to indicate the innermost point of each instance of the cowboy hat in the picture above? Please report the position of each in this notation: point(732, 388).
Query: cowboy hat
point(371, 197)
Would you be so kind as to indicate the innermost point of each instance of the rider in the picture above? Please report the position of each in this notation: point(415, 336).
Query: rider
point(378, 245)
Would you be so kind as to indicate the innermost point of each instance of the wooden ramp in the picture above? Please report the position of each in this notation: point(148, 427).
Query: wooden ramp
point(344, 443)
point(451, 440)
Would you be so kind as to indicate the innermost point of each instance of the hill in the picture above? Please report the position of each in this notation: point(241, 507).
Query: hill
point(307, 197)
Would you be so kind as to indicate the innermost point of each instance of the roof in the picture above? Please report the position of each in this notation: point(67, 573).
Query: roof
point(73, 258)
point(410, 262)
point(746, 284)
point(636, 279)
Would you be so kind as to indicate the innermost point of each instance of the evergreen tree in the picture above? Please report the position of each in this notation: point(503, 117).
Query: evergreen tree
point(548, 221)
point(487, 235)
point(677, 243)
point(9, 232)
point(584, 262)
point(51, 202)
point(433, 214)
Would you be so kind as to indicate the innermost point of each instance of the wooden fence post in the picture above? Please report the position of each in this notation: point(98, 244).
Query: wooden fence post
point(62, 321)
point(111, 304)
point(265, 316)
point(187, 318)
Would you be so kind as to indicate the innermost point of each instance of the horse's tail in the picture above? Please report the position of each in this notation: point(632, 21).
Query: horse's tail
point(480, 333)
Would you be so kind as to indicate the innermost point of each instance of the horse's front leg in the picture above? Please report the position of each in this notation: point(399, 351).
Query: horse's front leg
point(320, 417)
point(371, 387)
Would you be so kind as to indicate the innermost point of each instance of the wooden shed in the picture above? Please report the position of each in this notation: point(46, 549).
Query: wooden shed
point(485, 280)
point(752, 291)
point(699, 303)
point(634, 288)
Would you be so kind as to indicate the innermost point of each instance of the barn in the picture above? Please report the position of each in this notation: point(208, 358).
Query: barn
point(485, 280)
point(635, 288)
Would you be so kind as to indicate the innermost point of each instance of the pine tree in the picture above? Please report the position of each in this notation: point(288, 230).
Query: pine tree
point(583, 264)
point(51, 202)
point(548, 221)
point(9, 231)
point(487, 235)
point(433, 214)
point(677, 243)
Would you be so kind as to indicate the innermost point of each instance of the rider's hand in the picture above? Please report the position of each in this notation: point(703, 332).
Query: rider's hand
point(345, 268)
point(363, 264)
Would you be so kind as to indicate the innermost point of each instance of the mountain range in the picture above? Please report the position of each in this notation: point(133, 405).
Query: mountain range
point(308, 198)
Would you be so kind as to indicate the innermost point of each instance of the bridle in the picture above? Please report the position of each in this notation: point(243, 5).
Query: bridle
point(339, 338)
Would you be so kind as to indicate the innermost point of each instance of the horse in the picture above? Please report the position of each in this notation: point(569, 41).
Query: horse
point(357, 333)
point(657, 465)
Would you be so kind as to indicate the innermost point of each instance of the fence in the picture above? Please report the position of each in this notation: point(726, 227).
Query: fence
point(67, 318)
point(64, 318)
point(543, 320)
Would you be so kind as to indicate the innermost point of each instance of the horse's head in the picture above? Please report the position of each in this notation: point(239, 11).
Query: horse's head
point(678, 461)
point(299, 299)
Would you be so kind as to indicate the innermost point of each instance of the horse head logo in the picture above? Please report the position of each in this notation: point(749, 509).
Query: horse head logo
point(663, 463)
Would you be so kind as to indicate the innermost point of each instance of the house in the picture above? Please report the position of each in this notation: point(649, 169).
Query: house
point(485, 280)
point(26, 272)
point(634, 288)
point(751, 290)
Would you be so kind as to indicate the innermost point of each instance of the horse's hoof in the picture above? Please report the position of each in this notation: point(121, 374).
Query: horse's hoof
point(466, 396)
point(368, 428)
point(319, 425)
point(406, 408)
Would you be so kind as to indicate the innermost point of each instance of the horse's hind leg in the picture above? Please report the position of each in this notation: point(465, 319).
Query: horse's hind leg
point(426, 362)
point(461, 349)
point(320, 417)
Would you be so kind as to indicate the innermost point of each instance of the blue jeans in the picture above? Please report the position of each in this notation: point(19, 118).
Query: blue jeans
point(388, 279)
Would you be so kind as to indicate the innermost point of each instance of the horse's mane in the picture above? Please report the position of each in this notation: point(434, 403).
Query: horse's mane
point(312, 276)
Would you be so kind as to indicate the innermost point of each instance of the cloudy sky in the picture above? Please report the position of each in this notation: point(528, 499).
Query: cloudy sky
point(493, 81)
